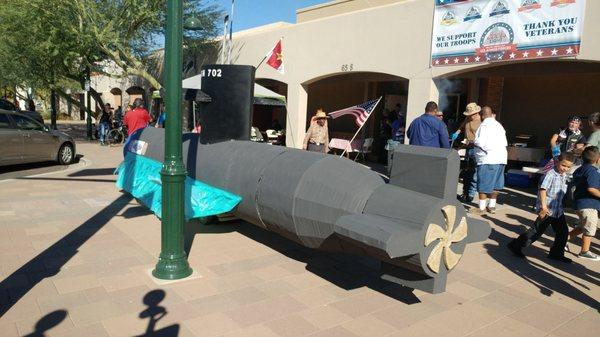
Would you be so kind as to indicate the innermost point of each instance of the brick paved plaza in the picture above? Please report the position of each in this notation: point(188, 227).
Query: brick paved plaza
point(75, 256)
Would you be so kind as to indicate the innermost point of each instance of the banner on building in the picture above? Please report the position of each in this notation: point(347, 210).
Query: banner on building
point(475, 31)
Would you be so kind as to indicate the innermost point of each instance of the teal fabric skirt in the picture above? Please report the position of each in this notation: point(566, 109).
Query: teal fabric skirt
point(140, 176)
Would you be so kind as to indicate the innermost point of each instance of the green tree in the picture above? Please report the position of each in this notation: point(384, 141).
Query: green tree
point(51, 43)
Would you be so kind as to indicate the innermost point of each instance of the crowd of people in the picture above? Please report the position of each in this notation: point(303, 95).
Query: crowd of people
point(571, 177)
point(572, 173)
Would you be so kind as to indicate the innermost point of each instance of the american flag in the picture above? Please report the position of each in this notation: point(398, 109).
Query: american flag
point(360, 112)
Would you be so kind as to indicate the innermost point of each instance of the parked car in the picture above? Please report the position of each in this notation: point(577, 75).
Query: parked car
point(9, 106)
point(24, 140)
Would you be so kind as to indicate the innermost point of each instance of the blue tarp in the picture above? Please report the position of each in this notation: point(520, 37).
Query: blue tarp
point(140, 176)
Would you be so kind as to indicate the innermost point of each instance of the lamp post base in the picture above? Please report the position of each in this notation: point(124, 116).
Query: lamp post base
point(172, 268)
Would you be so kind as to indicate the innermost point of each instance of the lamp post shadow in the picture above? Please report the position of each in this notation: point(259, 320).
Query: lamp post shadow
point(155, 313)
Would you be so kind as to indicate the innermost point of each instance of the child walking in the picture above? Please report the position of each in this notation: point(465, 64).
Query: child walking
point(550, 211)
point(587, 200)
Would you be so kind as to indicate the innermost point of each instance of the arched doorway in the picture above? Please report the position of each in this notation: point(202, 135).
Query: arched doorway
point(135, 92)
point(339, 91)
point(531, 98)
point(117, 97)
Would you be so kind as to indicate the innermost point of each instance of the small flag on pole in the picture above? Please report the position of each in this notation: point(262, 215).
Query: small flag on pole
point(360, 112)
point(275, 58)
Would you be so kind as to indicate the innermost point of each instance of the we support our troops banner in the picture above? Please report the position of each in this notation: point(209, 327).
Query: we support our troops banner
point(475, 31)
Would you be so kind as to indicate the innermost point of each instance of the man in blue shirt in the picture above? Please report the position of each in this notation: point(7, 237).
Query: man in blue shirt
point(428, 130)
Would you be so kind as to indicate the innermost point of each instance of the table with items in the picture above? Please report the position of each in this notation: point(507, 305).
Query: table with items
point(344, 144)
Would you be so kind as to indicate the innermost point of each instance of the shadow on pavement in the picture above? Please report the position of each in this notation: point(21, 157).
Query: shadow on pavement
point(48, 322)
point(109, 171)
point(344, 270)
point(38, 165)
point(30, 166)
point(154, 313)
point(519, 199)
point(548, 281)
point(24, 170)
point(60, 252)
point(71, 179)
point(135, 211)
point(548, 243)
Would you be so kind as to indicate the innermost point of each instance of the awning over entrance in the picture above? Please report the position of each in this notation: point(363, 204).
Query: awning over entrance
point(197, 95)
point(532, 100)
point(262, 95)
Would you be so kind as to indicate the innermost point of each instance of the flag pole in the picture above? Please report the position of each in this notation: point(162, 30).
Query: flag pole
point(357, 131)
point(261, 61)
point(230, 34)
point(224, 42)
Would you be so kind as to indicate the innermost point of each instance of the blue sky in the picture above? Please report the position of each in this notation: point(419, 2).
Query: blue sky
point(254, 13)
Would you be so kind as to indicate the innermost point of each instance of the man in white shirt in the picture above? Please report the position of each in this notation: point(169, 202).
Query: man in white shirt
point(491, 156)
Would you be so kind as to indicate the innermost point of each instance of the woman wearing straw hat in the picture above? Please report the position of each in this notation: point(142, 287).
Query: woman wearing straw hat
point(317, 136)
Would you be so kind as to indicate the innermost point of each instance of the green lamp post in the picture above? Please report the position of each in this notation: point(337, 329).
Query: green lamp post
point(172, 262)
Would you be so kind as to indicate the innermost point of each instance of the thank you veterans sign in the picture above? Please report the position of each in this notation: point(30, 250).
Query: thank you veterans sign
point(475, 31)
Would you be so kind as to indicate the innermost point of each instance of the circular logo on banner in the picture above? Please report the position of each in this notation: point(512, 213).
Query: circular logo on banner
point(496, 40)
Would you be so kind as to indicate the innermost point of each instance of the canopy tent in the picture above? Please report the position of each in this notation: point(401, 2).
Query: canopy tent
point(197, 96)
point(262, 95)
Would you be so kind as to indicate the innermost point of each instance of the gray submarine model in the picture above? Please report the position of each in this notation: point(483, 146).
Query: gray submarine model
point(413, 225)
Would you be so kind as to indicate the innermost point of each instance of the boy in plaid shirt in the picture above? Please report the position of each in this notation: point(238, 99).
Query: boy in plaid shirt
point(550, 211)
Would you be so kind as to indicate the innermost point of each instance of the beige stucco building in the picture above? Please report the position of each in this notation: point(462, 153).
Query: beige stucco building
point(345, 52)
point(119, 90)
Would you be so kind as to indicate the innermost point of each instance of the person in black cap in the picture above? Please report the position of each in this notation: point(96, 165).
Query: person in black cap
point(569, 139)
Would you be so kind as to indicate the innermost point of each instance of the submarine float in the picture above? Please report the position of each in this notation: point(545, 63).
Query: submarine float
point(414, 225)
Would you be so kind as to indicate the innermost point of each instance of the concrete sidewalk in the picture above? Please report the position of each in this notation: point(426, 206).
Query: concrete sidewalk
point(75, 255)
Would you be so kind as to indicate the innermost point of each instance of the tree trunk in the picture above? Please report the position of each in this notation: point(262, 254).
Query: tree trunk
point(15, 99)
point(53, 109)
point(98, 99)
point(145, 75)
point(70, 108)
point(69, 99)
point(81, 107)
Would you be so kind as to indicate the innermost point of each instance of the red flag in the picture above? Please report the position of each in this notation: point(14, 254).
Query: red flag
point(275, 58)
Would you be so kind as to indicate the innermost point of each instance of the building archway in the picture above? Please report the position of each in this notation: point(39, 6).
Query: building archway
point(342, 90)
point(274, 85)
point(530, 98)
point(117, 97)
point(136, 92)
